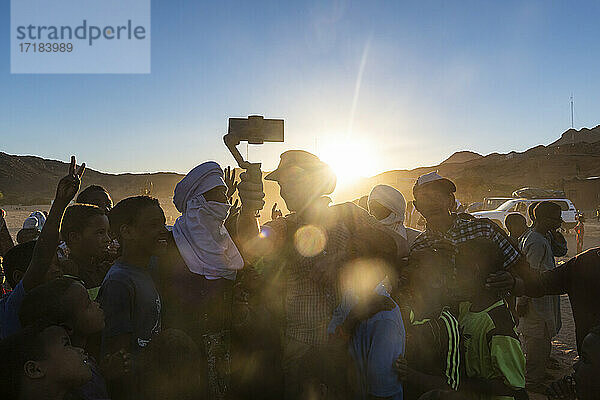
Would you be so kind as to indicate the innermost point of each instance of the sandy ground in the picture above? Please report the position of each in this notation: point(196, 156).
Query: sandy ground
point(563, 349)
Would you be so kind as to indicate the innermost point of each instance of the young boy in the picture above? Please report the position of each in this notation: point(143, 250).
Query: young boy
point(584, 384)
point(36, 263)
point(516, 225)
point(433, 359)
point(372, 322)
point(65, 301)
point(41, 363)
point(128, 294)
point(494, 360)
point(85, 230)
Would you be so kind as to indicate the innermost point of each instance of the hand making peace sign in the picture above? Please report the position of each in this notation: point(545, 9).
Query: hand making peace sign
point(69, 185)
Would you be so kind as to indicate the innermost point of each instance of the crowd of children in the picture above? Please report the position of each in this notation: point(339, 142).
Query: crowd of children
point(327, 302)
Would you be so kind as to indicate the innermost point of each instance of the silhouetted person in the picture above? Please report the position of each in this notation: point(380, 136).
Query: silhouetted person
point(540, 317)
point(584, 383)
point(516, 225)
point(579, 233)
point(310, 245)
point(388, 206)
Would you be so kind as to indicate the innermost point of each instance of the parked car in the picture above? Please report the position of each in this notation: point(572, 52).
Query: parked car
point(521, 205)
point(492, 203)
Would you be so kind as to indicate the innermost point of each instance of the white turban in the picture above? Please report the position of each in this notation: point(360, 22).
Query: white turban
point(394, 201)
point(199, 233)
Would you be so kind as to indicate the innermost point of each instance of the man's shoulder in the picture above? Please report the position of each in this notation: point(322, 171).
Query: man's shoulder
point(472, 223)
point(589, 259)
point(119, 272)
point(534, 238)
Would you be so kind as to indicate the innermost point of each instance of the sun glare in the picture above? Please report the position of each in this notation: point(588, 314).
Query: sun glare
point(350, 160)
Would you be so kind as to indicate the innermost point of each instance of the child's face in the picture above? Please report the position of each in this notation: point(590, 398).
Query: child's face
point(586, 369)
point(94, 239)
point(64, 364)
point(150, 232)
point(87, 317)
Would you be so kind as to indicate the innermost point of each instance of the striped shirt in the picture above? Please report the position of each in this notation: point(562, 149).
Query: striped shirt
point(433, 348)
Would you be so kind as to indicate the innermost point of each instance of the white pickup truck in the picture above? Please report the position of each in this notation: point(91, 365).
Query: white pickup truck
point(521, 205)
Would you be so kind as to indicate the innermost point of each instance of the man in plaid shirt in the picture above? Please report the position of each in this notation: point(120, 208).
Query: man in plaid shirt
point(434, 199)
point(311, 246)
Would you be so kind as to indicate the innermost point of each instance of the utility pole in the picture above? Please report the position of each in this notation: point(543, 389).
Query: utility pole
point(572, 126)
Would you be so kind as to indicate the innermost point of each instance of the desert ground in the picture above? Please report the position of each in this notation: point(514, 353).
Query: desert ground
point(564, 348)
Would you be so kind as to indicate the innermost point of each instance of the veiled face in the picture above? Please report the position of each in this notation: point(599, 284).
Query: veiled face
point(218, 194)
point(378, 211)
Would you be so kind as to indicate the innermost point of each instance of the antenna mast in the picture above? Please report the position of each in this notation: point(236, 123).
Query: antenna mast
point(572, 110)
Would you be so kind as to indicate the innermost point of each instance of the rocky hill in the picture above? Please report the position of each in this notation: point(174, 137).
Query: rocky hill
point(30, 180)
point(461, 157)
point(498, 174)
point(584, 135)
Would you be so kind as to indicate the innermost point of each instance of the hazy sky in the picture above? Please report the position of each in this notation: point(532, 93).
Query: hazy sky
point(403, 83)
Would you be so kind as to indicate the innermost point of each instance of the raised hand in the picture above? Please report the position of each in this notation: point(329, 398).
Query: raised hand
point(69, 185)
point(251, 192)
point(230, 181)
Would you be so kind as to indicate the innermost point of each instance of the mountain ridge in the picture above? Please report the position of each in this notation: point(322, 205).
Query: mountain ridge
point(30, 179)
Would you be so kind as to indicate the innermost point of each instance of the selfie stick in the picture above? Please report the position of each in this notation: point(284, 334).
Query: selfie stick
point(231, 141)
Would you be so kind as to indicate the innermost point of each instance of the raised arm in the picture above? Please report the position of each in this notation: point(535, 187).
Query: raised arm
point(251, 194)
point(46, 244)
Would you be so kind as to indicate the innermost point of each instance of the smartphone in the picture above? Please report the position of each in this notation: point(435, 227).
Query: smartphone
point(256, 130)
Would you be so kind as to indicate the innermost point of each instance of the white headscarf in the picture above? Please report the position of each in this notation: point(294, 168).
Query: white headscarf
point(394, 201)
point(199, 233)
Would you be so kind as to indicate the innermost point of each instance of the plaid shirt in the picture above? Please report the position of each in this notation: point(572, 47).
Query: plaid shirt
point(464, 229)
point(312, 290)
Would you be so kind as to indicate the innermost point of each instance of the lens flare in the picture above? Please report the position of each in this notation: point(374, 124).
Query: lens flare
point(310, 240)
point(361, 276)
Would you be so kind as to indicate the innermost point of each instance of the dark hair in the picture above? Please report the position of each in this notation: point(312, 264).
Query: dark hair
point(546, 209)
point(127, 212)
point(513, 219)
point(76, 219)
point(17, 259)
point(27, 235)
point(45, 302)
point(15, 351)
point(85, 194)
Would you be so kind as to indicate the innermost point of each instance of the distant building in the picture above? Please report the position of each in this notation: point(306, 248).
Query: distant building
point(583, 192)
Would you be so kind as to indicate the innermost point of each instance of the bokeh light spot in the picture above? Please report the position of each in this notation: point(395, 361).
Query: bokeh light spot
point(310, 240)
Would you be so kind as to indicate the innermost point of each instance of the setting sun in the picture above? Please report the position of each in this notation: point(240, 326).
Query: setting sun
point(350, 159)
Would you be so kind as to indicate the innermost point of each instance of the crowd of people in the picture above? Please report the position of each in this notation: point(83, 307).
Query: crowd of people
point(331, 301)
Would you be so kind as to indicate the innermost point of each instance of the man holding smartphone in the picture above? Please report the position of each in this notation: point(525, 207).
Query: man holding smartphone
point(311, 246)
